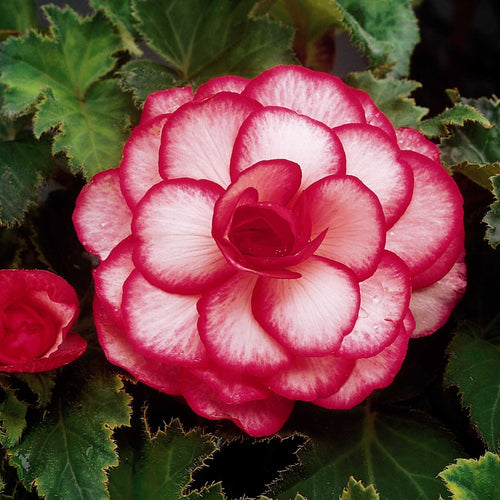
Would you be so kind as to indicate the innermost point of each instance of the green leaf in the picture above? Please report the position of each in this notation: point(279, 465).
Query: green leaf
point(356, 491)
point(163, 466)
point(18, 19)
point(12, 419)
point(23, 167)
point(492, 218)
point(58, 76)
point(473, 368)
point(400, 454)
point(183, 33)
point(213, 492)
point(65, 455)
point(391, 96)
point(41, 384)
point(386, 32)
point(474, 479)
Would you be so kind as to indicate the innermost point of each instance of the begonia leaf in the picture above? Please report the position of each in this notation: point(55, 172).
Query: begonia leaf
point(163, 466)
point(16, 20)
point(391, 96)
point(41, 384)
point(473, 368)
point(23, 167)
point(58, 77)
point(183, 33)
point(400, 454)
point(386, 32)
point(492, 218)
point(65, 454)
point(474, 479)
point(12, 418)
point(212, 492)
point(356, 491)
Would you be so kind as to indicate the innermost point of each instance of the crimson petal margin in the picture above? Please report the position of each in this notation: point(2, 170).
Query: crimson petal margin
point(165, 102)
point(309, 315)
point(172, 228)
point(101, 216)
point(306, 92)
point(278, 133)
point(229, 83)
point(231, 334)
point(412, 140)
point(161, 325)
point(198, 139)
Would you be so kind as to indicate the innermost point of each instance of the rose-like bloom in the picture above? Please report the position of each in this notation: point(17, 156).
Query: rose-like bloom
point(37, 309)
point(268, 241)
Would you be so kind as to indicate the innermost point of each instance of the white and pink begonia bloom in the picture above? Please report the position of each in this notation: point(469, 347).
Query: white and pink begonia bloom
point(270, 240)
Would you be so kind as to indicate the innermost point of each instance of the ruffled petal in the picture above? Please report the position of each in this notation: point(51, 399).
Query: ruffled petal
point(102, 217)
point(375, 159)
point(119, 351)
point(278, 133)
point(198, 139)
point(431, 306)
point(161, 325)
point(433, 217)
point(165, 102)
point(229, 83)
point(262, 417)
point(309, 315)
point(172, 228)
point(139, 165)
point(320, 96)
point(384, 303)
point(353, 216)
point(412, 140)
point(231, 334)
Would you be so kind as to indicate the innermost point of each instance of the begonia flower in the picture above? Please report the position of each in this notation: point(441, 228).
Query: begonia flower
point(270, 240)
point(37, 310)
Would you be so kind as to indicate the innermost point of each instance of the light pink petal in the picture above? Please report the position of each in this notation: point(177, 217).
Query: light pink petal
point(120, 352)
point(172, 228)
point(431, 306)
point(231, 334)
point(198, 139)
point(102, 217)
point(110, 276)
point(376, 160)
point(441, 265)
point(413, 140)
point(353, 216)
point(369, 374)
point(273, 133)
point(433, 217)
point(320, 96)
point(309, 315)
point(161, 325)
point(139, 165)
point(165, 102)
point(234, 84)
point(231, 387)
point(262, 417)
point(307, 379)
point(384, 303)
point(373, 115)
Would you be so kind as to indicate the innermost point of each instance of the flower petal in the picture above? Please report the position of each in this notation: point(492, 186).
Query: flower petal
point(139, 165)
point(101, 217)
point(433, 217)
point(311, 314)
point(262, 417)
point(198, 139)
point(161, 325)
point(384, 302)
point(431, 306)
point(172, 228)
point(413, 140)
point(307, 379)
point(320, 96)
point(119, 351)
point(231, 334)
point(353, 216)
point(165, 101)
point(278, 133)
point(375, 159)
point(234, 84)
